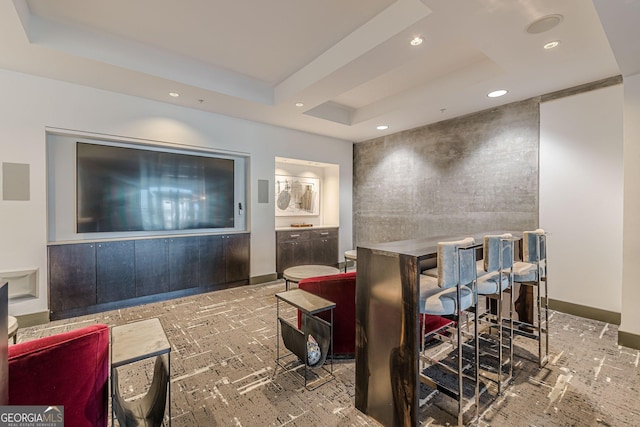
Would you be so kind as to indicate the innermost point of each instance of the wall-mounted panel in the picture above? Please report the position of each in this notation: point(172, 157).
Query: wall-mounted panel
point(476, 172)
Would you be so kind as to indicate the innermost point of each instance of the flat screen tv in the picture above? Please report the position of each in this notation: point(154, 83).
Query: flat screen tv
point(131, 189)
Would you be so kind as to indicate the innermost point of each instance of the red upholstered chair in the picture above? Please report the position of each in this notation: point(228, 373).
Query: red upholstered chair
point(70, 369)
point(341, 289)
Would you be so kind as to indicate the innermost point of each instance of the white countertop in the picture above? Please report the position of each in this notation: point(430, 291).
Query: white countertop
point(315, 227)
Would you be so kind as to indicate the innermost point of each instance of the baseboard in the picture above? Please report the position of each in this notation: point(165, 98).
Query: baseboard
point(33, 319)
point(628, 339)
point(256, 280)
point(584, 311)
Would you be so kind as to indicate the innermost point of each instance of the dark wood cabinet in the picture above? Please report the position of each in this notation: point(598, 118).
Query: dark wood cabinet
point(236, 257)
point(115, 271)
point(91, 277)
point(152, 266)
point(184, 261)
point(299, 247)
point(325, 247)
point(72, 276)
point(212, 269)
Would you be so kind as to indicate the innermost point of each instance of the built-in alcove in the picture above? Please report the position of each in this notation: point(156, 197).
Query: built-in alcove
point(23, 284)
point(156, 185)
point(307, 176)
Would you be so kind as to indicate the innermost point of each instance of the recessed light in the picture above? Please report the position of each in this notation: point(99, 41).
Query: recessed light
point(552, 44)
point(382, 127)
point(497, 93)
point(416, 41)
point(299, 104)
point(174, 94)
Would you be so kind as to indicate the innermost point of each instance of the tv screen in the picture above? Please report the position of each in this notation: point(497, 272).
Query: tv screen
point(130, 189)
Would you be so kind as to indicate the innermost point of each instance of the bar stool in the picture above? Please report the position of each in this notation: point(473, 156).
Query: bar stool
point(12, 328)
point(532, 272)
point(453, 292)
point(497, 279)
point(350, 255)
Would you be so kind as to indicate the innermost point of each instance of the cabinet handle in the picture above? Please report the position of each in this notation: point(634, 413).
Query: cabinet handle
point(324, 234)
point(294, 235)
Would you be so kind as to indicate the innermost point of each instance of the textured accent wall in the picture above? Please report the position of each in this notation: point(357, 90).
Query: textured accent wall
point(468, 174)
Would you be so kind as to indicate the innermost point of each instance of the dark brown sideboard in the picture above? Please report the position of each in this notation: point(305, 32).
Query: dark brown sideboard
point(97, 276)
point(317, 245)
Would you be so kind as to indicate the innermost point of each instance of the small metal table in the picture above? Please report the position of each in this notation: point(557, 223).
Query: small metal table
point(297, 273)
point(309, 305)
point(137, 341)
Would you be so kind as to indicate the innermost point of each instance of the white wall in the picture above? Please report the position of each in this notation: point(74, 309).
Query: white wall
point(29, 105)
point(581, 196)
point(631, 244)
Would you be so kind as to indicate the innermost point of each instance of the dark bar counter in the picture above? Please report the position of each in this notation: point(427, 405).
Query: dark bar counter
point(387, 325)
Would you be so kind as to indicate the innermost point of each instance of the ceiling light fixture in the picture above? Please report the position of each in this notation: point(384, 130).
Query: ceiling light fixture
point(551, 45)
point(382, 127)
point(417, 41)
point(544, 24)
point(497, 93)
point(299, 104)
point(174, 94)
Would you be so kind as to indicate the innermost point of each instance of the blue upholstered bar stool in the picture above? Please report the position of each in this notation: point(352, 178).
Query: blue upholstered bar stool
point(532, 271)
point(494, 283)
point(451, 294)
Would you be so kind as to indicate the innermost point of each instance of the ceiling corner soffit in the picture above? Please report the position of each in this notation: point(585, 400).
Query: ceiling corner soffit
point(126, 54)
point(387, 24)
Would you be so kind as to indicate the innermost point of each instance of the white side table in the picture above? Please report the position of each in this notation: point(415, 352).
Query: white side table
point(297, 273)
point(137, 341)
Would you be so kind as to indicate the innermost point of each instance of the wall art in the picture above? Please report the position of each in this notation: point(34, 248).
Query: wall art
point(297, 196)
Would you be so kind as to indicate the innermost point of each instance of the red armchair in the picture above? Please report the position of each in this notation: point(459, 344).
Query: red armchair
point(341, 289)
point(70, 369)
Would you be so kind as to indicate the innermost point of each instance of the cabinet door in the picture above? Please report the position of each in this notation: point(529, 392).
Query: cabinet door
point(115, 271)
point(183, 263)
point(72, 276)
point(286, 255)
point(236, 257)
point(300, 252)
point(152, 267)
point(211, 261)
point(305, 253)
point(325, 251)
point(292, 248)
